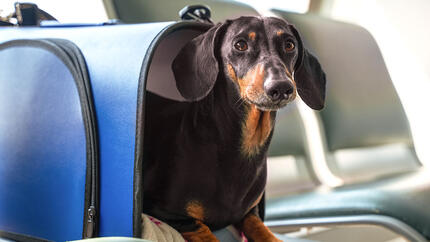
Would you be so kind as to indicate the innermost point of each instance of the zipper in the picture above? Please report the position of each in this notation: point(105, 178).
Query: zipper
point(91, 223)
point(74, 56)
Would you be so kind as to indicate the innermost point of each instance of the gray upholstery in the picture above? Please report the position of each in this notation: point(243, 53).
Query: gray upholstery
point(289, 168)
point(404, 198)
point(138, 11)
point(362, 106)
point(365, 127)
point(288, 138)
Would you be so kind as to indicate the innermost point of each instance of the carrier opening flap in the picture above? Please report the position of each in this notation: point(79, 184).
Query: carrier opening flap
point(160, 78)
point(48, 140)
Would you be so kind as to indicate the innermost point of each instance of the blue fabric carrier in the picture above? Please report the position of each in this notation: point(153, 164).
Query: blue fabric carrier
point(71, 125)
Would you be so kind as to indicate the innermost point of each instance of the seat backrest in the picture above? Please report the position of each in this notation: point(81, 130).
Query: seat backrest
point(367, 132)
point(288, 162)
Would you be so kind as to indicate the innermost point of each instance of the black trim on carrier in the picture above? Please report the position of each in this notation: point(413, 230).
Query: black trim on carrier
point(73, 58)
point(140, 118)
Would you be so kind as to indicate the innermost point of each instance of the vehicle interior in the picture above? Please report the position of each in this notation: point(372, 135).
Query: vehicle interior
point(355, 171)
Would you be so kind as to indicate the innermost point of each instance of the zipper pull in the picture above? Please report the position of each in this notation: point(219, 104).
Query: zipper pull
point(91, 222)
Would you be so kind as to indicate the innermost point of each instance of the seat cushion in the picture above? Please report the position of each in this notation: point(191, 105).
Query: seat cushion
point(404, 197)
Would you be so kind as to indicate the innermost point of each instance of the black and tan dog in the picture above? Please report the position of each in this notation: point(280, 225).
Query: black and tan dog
point(205, 164)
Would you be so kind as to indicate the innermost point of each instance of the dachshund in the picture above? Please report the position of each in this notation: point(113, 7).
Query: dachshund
point(205, 161)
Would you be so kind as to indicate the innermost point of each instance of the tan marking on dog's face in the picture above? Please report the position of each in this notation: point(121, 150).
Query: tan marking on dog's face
point(293, 96)
point(288, 73)
point(231, 72)
point(255, 130)
point(195, 210)
point(252, 35)
point(279, 32)
point(251, 85)
point(255, 230)
point(203, 233)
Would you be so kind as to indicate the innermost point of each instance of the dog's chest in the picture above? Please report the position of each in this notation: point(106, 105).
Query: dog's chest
point(256, 129)
point(206, 181)
point(220, 190)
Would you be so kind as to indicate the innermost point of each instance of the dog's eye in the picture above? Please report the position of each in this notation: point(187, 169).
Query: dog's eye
point(289, 46)
point(241, 45)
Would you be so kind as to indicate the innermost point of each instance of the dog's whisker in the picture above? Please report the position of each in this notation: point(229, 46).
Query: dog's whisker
point(240, 102)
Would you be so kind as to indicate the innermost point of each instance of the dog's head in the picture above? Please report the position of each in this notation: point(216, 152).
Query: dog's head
point(263, 57)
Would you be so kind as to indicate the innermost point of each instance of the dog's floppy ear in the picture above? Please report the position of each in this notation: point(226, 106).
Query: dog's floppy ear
point(309, 77)
point(196, 67)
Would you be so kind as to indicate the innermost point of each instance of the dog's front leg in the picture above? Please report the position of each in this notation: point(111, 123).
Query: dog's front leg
point(201, 234)
point(254, 229)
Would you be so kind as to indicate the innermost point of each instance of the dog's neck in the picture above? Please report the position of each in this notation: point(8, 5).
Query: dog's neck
point(243, 124)
point(256, 130)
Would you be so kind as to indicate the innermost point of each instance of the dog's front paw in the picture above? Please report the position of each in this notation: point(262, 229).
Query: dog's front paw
point(256, 231)
point(202, 234)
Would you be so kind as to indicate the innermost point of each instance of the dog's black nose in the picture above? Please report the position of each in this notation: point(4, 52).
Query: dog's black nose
point(278, 90)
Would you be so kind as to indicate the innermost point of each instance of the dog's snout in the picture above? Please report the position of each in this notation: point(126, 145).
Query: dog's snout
point(277, 86)
point(278, 90)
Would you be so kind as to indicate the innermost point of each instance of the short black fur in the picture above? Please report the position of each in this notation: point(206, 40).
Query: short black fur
point(193, 148)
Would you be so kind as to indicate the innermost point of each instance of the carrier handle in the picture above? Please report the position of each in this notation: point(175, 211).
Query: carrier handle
point(26, 14)
point(201, 13)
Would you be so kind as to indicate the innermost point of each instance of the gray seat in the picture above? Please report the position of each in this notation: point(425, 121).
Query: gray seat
point(367, 140)
point(365, 127)
point(288, 162)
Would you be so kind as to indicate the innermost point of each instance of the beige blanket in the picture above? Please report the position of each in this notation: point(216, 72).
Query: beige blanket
point(156, 230)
